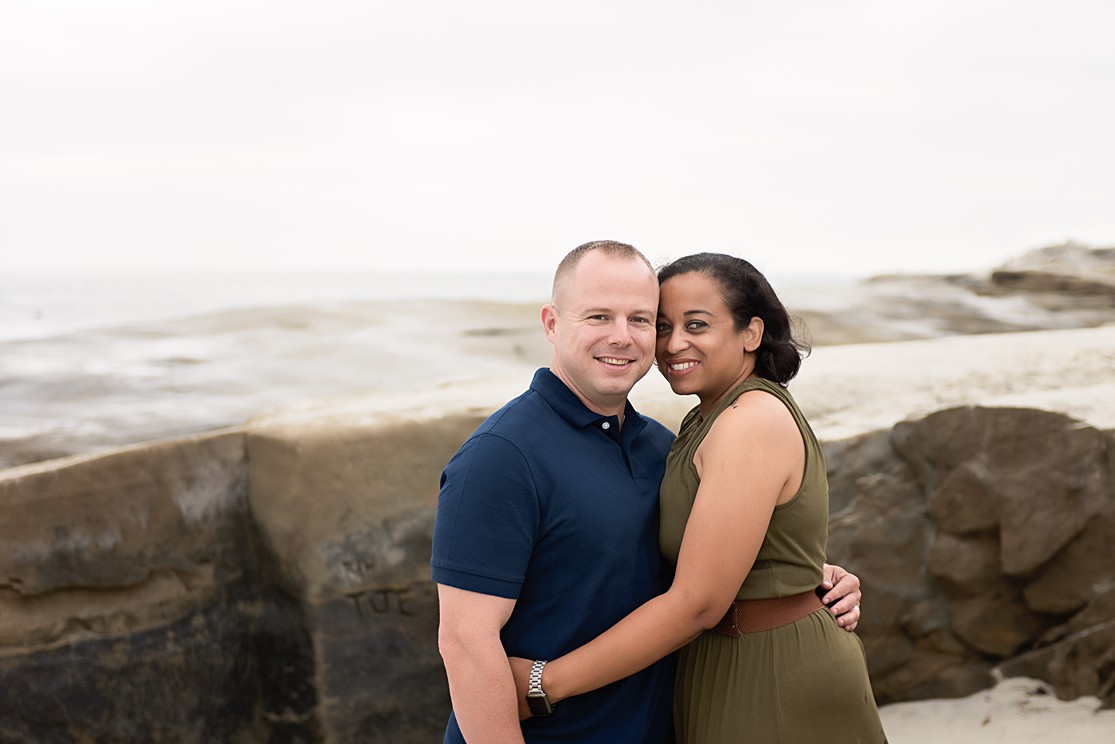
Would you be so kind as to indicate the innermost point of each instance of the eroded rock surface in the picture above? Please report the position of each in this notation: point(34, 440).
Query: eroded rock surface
point(349, 512)
point(128, 608)
point(990, 542)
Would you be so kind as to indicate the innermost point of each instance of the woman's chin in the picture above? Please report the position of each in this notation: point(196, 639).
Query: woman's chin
point(678, 386)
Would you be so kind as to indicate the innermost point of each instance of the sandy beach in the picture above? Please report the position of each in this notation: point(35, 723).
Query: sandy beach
point(1019, 710)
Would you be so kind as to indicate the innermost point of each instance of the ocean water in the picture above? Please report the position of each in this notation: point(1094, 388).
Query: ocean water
point(93, 360)
point(99, 359)
point(36, 304)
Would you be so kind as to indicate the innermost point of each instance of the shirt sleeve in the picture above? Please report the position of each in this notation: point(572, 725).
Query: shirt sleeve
point(487, 518)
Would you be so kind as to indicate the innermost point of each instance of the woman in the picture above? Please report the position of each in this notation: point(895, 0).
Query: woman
point(744, 510)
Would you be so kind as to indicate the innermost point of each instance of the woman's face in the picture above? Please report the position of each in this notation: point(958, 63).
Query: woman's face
point(699, 351)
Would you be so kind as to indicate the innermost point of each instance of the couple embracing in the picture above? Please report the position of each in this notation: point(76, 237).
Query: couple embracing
point(578, 544)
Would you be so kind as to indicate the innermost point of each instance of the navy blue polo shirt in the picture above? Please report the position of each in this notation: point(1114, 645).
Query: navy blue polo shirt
point(556, 506)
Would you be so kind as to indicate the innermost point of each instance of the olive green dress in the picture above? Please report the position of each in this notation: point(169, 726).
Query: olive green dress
point(803, 682)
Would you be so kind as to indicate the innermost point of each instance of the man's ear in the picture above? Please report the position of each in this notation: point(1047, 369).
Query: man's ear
point(549, 320)
point(753, 334)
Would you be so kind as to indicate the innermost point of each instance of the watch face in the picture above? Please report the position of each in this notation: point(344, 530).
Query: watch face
point(539, 705)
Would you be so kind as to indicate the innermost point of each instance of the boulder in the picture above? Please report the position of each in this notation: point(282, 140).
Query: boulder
point(151, 595)
point(1045, 281)
point(1072, 577)
point(347, 509)
point(883, 534)
point(963, 503)
point(127, 603)
point(996, 624)
point(1069, 279)
point(1001, 520)
point(1046, 474)
point(966, 566)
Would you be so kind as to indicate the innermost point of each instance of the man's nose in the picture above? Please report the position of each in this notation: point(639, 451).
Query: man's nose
point(620, 334)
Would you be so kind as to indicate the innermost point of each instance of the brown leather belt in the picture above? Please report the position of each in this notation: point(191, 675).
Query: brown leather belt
point(755, 615)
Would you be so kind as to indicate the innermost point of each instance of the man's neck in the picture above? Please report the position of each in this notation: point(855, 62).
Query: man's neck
point(609, 408)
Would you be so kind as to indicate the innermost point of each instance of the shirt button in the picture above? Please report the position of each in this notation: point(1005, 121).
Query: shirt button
point(605, 425)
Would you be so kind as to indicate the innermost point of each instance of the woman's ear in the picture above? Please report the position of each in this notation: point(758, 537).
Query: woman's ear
point(753, 334)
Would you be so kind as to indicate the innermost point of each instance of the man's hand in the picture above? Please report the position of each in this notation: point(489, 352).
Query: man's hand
point(844, 587)
point(520, 669)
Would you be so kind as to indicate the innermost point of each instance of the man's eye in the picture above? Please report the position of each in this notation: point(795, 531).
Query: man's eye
point(638, 319)
point(598, 317)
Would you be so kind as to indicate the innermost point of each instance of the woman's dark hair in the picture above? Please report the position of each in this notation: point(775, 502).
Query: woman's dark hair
point(748, 294)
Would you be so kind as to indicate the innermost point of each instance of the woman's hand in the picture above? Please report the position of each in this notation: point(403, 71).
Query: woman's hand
point(520, 670)
point(844, 587)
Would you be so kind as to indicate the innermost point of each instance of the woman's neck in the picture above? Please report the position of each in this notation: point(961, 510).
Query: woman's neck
point(710, 401)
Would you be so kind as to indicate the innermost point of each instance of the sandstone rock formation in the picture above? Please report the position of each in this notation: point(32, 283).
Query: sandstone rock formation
point(153, 595)
point(128, 611)
point(1087, 274)
point(1070, 281)
point(1061, 286)
point(983, 537)
point(347, 513)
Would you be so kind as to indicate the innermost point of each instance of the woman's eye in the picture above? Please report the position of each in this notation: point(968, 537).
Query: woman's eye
point(695, 325)
point(662, 328)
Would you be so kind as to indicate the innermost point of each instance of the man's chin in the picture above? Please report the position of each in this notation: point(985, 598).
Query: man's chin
point(615, 384)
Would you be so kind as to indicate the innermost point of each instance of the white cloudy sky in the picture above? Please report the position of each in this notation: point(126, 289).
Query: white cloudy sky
point(811, 136)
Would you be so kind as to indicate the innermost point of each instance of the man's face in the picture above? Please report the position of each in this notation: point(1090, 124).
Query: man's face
point(602, 327)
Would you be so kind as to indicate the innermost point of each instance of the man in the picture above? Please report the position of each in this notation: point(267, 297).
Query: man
point(547, 524)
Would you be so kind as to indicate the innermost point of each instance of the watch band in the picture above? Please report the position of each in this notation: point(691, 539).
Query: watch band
point(535, 683)
point(537, 700)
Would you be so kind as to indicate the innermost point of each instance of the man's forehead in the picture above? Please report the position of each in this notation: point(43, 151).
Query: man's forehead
point(598, 260)
point(621, 307)
point(610, 279)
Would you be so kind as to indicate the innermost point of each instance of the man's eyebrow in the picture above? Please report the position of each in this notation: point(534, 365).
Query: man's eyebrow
point(609, 311)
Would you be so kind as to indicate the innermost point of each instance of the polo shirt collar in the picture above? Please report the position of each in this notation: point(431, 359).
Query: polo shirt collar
point(567, 405)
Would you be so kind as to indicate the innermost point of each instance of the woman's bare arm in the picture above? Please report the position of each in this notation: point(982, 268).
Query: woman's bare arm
point(745, 462)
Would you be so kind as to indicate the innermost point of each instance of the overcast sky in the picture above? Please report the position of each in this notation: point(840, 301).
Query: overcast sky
point(810, 136)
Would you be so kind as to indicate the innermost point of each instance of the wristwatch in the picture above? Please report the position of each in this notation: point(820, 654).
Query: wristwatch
point(537, 700)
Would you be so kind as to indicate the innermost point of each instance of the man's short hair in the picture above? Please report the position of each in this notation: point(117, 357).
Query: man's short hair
point(612, 248)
